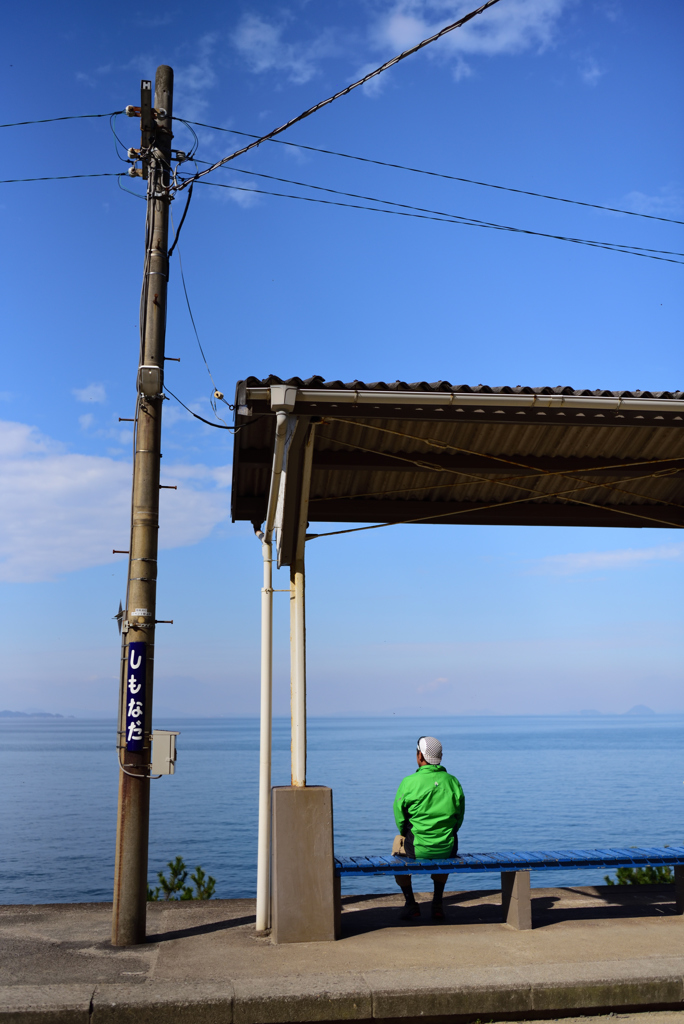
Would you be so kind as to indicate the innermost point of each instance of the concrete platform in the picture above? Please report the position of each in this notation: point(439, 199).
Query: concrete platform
point(592, 951)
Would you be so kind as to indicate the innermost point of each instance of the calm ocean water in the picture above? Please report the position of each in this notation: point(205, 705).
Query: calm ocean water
point(530, 783)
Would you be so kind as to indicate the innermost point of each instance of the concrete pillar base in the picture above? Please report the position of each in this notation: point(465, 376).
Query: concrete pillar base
point(304, 903)
point(515, 899)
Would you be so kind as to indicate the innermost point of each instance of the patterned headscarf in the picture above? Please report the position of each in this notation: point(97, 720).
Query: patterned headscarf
point(431, 749)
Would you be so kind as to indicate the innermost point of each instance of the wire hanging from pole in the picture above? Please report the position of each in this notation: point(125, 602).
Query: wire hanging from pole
point(463, 222)
point(433, 174)
point(451, 216)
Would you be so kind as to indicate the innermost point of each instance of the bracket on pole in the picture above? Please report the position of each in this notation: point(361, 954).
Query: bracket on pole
point(146, 124)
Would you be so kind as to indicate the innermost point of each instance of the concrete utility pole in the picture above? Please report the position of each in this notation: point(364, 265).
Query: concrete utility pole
point(137, 652)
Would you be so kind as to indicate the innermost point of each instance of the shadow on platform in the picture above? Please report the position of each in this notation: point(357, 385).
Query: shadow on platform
point(202, 929)
point(361, 914)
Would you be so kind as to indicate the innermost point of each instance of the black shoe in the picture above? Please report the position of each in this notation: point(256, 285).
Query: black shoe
point(438, 911)
point(410, 912)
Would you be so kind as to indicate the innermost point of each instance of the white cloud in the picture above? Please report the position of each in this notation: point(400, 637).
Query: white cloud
point(667, 203)
point(86, 421)
point(18, 439)
point(461, 69)
point(589, 71)
point(591, 561)
point(610, 9)
point(262, 45)
point(93, 393)
point(61, 511)
point(236, 191)
point(510, 27)
point(193, 81)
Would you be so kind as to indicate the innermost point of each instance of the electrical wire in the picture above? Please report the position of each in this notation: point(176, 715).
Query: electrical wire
point(330, 152)
point(441, 213)
point(195, 145)
point(445, 220)
point(348, 88)
point(333, 152)
point(138, 195)
point(218, 426)
point(70, 117)
point(117, 140)
point(435, 174)
point(180, 223)
point(62, 177)
point(442, 218)
point(215, 391)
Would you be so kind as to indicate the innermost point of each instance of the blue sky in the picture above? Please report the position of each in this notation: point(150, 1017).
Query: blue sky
point(577, 99)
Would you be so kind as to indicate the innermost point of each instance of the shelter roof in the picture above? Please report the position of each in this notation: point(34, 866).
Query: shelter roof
point(443, 453)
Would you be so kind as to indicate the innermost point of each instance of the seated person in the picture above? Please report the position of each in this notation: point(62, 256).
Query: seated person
point(428, 809)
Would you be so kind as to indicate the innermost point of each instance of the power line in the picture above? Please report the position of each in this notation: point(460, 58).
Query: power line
point(215, 391)
point(219, 426)
point(348, 88)
point(437, 174)
point(180, 224)
point(69, 117)
point(447, 220)
point(347, 156)
point(64, 177)
point(117, 141)
point(441, 213)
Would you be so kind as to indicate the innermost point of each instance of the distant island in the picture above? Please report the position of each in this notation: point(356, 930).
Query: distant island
point(638, 709)
point(28, 714)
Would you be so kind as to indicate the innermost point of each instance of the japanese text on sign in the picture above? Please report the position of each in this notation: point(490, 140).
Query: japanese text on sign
point(135, 695)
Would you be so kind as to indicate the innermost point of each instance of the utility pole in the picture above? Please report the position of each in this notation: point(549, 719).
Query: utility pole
point(137, 648)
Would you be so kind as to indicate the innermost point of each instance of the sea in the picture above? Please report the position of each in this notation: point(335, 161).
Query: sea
point(531, 783)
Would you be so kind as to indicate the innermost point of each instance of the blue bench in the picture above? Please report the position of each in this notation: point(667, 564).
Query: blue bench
point(515, 869)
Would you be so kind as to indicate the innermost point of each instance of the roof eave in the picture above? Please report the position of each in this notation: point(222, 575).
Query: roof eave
point(446, 399)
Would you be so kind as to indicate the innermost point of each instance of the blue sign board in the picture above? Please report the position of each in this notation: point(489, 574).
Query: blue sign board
point(135, 695)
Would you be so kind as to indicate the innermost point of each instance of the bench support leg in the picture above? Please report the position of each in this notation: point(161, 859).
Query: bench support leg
point(515, 899)
point(679, 888)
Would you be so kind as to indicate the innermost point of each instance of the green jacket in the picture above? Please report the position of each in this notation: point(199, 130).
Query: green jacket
point(431, 804)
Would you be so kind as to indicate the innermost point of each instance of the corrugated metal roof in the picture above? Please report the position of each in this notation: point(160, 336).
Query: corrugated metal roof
point(583, 458)
point(445, 386)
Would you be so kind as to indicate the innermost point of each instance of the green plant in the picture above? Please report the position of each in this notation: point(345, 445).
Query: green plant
point(174, 887)
point(642, 876)
point(205, 885)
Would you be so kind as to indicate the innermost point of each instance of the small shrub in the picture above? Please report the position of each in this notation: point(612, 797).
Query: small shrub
point(174, 887)
point(205, 885)
point(650, 875)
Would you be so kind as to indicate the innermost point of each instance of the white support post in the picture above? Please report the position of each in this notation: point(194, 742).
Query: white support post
point(263, 904)
point(298, 627)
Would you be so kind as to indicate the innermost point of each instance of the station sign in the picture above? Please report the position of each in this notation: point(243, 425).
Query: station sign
point(135, 695)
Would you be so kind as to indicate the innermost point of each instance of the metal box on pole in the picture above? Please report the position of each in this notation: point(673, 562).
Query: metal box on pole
point(163, 752)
